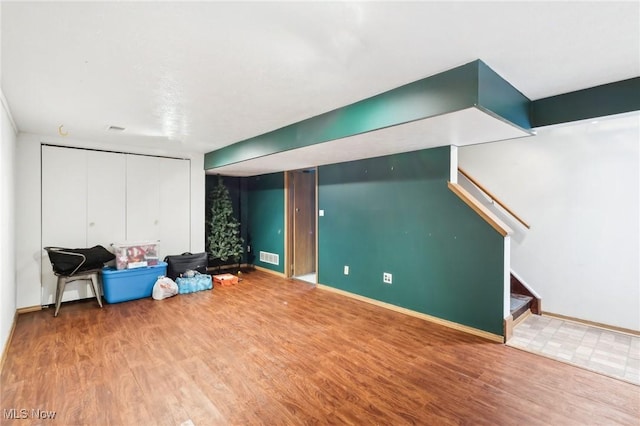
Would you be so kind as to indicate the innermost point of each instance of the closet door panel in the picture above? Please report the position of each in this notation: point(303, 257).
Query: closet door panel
point(175, 206)
point(143, 198)
point(64, 212)
point(64, 197)
point(106, 198)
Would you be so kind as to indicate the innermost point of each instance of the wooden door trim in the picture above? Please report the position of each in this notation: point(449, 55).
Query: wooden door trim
point(288, 228)
point(289, 222)
point(317, 209)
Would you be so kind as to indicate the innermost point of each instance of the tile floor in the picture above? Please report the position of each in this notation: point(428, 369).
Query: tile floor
point(310, 278)
point(607, 352)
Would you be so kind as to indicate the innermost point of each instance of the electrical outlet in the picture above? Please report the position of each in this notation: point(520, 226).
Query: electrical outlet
point(387, 278)
point(346, 270)
point(248, 249)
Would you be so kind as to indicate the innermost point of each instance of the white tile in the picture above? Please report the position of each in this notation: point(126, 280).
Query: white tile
point(565, 356)
point(608, 363)
point(610, 353)
point(584, 350)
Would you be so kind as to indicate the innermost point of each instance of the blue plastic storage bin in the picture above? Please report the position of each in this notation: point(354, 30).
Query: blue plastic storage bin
point(130, 284)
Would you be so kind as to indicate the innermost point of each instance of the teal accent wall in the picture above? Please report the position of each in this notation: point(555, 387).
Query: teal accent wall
point(497, 95)
point(470, 85)
point(395, 214)
point(266, 218)
point(445, 92)
point(600, 101)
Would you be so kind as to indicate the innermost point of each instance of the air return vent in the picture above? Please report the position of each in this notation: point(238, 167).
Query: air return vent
point(271, 258)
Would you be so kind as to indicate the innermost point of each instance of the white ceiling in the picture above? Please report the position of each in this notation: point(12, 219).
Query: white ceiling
point(199, 76)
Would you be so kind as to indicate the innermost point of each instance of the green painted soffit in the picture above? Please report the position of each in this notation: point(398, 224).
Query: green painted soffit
point(600, 101)
point(470, 85)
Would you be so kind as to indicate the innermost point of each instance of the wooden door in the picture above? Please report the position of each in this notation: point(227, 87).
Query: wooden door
point(304, 222)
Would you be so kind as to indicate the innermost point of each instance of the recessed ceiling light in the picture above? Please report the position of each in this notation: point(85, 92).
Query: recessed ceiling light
point(115, 128)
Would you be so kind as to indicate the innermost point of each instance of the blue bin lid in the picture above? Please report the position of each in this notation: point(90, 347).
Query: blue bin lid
point(111, 270)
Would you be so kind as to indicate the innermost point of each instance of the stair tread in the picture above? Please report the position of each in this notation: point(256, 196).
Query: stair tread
point(518, 301)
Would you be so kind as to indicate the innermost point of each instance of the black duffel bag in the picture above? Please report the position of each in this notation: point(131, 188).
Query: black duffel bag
point(179, 264)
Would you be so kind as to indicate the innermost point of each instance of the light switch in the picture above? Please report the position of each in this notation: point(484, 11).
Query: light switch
point(320, 212)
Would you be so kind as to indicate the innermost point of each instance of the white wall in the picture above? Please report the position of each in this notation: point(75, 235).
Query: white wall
point(578, 186)
point(7, 226)
point(28, 203)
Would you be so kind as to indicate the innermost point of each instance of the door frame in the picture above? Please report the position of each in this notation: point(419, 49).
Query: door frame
point(288, 228)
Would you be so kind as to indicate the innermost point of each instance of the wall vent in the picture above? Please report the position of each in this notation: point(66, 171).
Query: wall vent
point(271, 258)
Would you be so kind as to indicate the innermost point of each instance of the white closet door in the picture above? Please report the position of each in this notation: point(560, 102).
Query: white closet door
point(106, 198)
point(143, 198)
point(175, 206)
point(64, 209)
point(92, 197)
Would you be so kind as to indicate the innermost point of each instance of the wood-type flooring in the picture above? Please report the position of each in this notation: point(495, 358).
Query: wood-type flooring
point(272, 351)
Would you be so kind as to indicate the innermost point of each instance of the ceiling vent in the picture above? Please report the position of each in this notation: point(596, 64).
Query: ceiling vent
point(115, 129)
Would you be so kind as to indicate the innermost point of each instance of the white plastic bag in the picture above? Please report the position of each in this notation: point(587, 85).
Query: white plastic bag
point(164, 287)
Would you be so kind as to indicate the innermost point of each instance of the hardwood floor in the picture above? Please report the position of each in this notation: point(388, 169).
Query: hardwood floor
point(275, 351)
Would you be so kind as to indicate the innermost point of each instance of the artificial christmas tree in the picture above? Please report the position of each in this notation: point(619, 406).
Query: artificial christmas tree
point(224, 241)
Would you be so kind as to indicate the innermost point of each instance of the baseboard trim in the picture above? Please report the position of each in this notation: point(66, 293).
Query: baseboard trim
point(522, 317)
point(426, 317)
point(28, 309)
point(593, 323)
point(507, 328)
point(510, 324)
point(269, 271)
point(8, 342)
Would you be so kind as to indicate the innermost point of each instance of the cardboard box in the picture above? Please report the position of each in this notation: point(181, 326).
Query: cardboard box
point(225, 280)
point(130, 284)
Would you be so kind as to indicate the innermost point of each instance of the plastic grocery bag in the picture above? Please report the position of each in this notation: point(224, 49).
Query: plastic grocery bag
point(193, 281)
point(164, 287)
